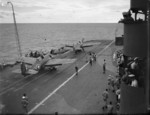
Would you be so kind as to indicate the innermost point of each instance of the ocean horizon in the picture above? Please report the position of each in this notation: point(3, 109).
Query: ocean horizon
point(51, 35)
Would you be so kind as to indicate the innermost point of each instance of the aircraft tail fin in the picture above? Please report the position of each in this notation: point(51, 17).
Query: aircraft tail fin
point(25, 71)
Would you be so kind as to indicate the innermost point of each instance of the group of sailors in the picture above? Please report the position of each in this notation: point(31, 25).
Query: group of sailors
point(128, 18)
point(92, 57)
point(35, 54)
point(131, 71)
point(114, 87)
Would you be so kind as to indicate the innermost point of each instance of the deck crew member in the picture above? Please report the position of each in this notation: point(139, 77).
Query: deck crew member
point(25, 102)
point(76, 69)
point(91, 59)
point(94, 56)
point(105, 98)
point(110, 108)
point(104, 66)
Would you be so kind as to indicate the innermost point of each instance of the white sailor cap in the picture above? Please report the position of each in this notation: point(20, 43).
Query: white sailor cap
point(131, 75)
point(23, 97)
point(135, 58)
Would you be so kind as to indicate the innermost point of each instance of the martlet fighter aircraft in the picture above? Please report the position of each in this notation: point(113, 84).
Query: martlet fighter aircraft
point(59, 51)
point(80, 46)
point(36, 64)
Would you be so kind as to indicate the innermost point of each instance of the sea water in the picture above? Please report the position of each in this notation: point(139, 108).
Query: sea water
point(51, 35)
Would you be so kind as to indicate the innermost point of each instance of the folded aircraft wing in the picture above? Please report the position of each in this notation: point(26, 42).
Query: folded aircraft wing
point(30, 71)
point(69, 46)
point(61, 51)
point(57, 62)
point(29, 60)
point(89, 44)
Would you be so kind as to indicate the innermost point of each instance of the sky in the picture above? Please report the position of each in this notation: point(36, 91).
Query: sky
point(63, 11)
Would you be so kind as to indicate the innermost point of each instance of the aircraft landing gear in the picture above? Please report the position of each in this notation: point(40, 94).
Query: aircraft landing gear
point(52, 68)
point(77, 51)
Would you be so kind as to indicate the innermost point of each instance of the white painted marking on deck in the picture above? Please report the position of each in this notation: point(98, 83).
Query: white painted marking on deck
point(54, 91)
point(105, 48)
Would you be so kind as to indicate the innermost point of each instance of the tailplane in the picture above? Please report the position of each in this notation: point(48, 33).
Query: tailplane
point(24, 71)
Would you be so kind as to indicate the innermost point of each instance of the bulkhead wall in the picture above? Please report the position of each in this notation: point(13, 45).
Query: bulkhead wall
point(135, 39)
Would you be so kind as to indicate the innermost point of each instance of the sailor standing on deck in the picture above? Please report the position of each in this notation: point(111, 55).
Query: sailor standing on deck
point(76, 69)
point(91, 59)
point(105, 98)
point(25, 103)
point(94, 56)
point(104, 67)
point(110, 108)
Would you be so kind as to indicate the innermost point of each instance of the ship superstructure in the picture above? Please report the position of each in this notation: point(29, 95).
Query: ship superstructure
point(135, 99)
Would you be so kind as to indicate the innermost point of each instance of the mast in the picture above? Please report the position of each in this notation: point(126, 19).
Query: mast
point(16, 32)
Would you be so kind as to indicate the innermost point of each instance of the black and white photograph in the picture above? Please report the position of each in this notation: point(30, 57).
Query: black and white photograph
point(71, 57)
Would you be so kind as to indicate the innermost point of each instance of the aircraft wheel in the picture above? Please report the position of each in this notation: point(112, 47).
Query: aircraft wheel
point(41, 69)
point(54, 68)
point(76, 52)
